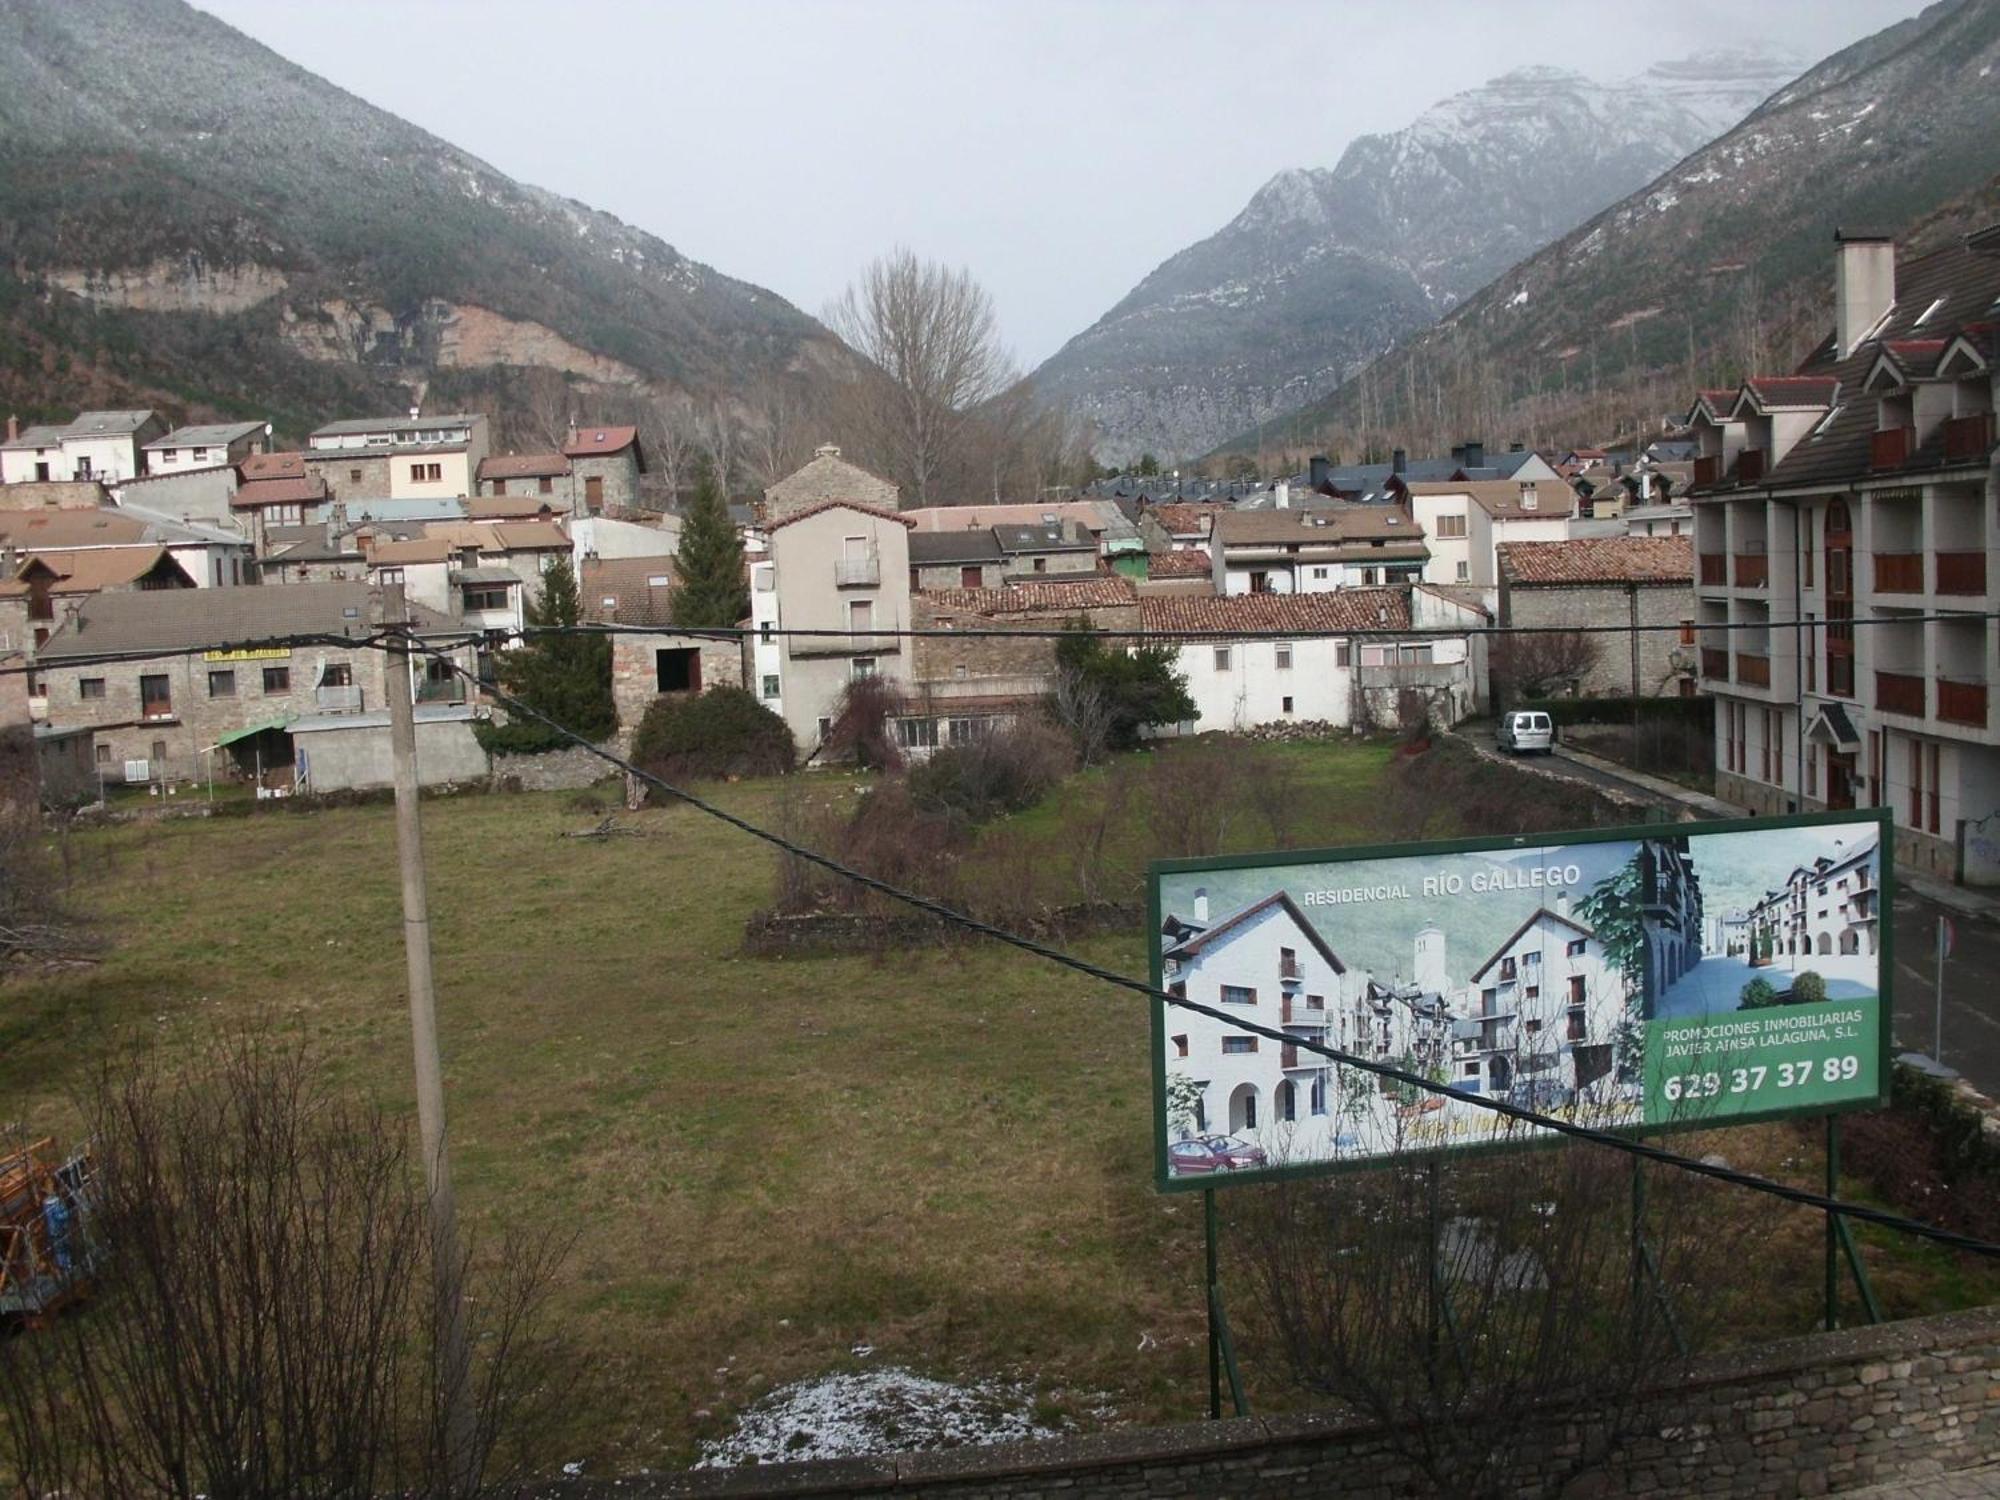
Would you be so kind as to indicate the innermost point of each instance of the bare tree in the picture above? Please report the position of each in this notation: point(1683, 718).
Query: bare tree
point(263, 1322)
point(778, 435)
point(1540, 663)
point(667, 427)
point(1080, 706)
point(33, 921)
point(931, 333)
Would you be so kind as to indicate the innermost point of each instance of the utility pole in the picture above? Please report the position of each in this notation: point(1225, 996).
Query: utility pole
point(454, 1360)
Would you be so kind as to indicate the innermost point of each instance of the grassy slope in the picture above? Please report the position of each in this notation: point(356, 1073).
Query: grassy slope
point(943, 1152)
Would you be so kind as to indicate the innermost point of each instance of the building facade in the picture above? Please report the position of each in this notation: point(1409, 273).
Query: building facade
point(1629, 602)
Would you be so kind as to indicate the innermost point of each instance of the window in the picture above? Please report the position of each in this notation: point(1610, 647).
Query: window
point(426, 473)
point(222, 684)
point(1450, 526)
point(1315, 1002)
point(337, 674)
point(160, 759)
point(1283, 653)
point(1576, 989)
point(1319, 1094)
point(970, 578)
point(1222, 658)
point(486, 598)
point(354, 476)
point(277, 680)
point(1533, 1028)
point(1576, 1031)
point(1250, 1107)
point(500, 487)
point(1236, 994)
point(1288, 1100)
point(770, 684)
point(1464, 571)
point(545, 486)
point(1180, 1045)
point(156, 698)
point(1687, 632)
point(1343, 653)
point(104, 755)
point(593, 492)
point(1575, 948)
point(864, 666)
point(1238, 1045)
point(387, 576)
point(201, 455)
point(1932, 824)
point(89, 689)
point(825, 728)
point(1285, 705)
point(1041, 565)
point(860, 616)
point(920, 734)
point(677, 671)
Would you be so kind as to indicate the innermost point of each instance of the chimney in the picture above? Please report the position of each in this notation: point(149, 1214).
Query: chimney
point(1201, 906)
point(1398, 461)
point(414, 411)
point(1319, 469)
point(1562, 903)
point(827, 450)
point(13, 427)
point(1281, 494)
point(1475, 455)
point(1864, 285)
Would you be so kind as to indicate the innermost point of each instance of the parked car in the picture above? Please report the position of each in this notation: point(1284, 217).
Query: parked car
point(1526, 730)
point(1213, 1153)
point(1540, 1094)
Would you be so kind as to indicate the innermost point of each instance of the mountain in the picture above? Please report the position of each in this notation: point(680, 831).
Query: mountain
point(187, 220)
point(1325, 269)
point(1718, 267)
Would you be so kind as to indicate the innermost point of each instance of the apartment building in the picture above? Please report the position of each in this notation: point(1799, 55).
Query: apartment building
point(1466, 522)
point(399, 458)
point(1544, 1008)
point(1315, 549)
point(1844, 538)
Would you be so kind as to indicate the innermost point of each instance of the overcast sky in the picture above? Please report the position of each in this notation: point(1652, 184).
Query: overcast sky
point(1059, 148)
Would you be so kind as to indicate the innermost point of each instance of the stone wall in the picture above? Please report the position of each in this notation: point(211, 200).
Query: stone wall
point(619, 473)
point(1806, 1416)
point(945, 659)
point(1616, 671)
point(635, 675)
point(340, 468)
point(552, 770)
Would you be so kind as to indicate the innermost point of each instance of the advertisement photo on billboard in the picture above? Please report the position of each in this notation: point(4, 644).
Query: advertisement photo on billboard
point(1645, 980)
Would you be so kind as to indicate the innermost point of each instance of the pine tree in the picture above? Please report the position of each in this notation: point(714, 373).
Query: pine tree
point(567, 677)
point(710, 593)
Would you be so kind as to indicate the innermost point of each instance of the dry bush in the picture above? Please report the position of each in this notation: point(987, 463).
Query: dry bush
point(1541, 663)
point(1006, 770)
point(264, 1321)
point(1447, 790)
point(1191, 794)
point(863, 730)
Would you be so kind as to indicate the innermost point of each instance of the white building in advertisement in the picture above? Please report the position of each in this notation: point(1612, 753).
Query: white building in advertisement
point(1543, 1009)
point(1830, 908)
point(1269, 965)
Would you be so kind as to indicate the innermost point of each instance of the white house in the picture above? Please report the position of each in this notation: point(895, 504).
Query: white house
point(1464, 523)
point(102, 445)
point(206, 447)
point(1545, 1007)
point(1267, 964)
point(1314, 549)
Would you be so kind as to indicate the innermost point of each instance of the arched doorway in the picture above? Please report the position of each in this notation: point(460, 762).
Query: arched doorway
point(1499, 1073)
point(1850, 942)
point(1826, 942)
point(1243, 1108)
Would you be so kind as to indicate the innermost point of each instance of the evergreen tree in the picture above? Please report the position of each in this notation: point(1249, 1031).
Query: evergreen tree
point(1139, 689)
point(567, 677)
point(710, 593)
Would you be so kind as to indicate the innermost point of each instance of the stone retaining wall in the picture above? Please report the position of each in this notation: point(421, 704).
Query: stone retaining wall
point(1806, 1416)
point(552, 770)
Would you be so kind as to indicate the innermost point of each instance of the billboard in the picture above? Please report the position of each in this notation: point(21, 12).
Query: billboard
point(1643, 979)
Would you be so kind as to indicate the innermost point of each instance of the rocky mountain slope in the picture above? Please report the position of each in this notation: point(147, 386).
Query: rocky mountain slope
point(1719, 266)
point(1324, 269)
point(189, 220)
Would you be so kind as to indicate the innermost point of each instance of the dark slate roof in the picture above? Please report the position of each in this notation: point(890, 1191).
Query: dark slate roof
point(191, 619)
point(1041, 539)
point(941, 548)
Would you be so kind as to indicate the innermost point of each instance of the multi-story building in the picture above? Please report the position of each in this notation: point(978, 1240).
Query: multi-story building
point(1465, 523)
point(399, 458)
point(1544, 1008)
point(1626, 599)
point(220, 444)
point(1315, 549)
point(1669, 916)
point(107, 446)
point(1832, 907)
point(1845, 537)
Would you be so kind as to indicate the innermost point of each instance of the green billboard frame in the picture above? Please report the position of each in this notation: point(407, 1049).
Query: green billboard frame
point(1166, 1182)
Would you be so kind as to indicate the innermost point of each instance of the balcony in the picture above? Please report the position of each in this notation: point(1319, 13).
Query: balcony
point(1750, 466)
point(1968, 439)
point(1714, 569)
point(1961, 573)
point(441, 690)
point(845, 643)
point(1714, 664)
point(1891, 447)
point(1753, 570)
point(1708, 470)
point(1753, 670)
point(1899, 693)
point(1899, 572)
point(1962, 702)
point(337, 700)
point(1288, 970)
point(857, 572)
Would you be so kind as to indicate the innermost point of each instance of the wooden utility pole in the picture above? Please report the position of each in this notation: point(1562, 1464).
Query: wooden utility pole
point(454, 1360)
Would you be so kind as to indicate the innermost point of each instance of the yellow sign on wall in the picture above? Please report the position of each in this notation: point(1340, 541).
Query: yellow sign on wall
point(252, 653)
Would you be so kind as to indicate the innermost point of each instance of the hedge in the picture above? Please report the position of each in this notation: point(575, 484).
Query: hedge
point(1695, 713)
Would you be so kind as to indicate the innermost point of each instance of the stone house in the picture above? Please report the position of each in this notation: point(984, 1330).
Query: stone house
point(1053, 547)
point(1627, 582)
point(828, 478)
point(638, 591)
point(605, 464)
point(1315, 549)
point(221, 706)
point(969, 559)
point(543, 478)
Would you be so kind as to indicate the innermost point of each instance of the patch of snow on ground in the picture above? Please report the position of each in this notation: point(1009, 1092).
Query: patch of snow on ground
point(873, 1411)
point(1519, 299)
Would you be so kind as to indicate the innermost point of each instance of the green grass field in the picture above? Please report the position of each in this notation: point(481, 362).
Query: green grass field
point(941, 1152)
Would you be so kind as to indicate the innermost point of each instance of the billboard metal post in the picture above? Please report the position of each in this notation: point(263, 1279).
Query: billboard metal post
point(1832, 1224)
point(1214, 1341)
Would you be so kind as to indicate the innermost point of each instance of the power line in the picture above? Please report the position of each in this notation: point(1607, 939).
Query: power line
point(1586, 1133)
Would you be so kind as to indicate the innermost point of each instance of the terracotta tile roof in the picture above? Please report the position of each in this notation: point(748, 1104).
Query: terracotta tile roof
point(33, 529)
point(531, 536)
point(507, 507)
point(1189, 518)
point(422, 550)
point(595, 442)
point(1190, 563)
point(824, 505)
point(1318, 526)
point(89, 569)
point(301, 490)
point(627, 590)
point(524, 466)
point(1279, 614)
point(272, 466)
point(1605, 559)
point(1089, 591)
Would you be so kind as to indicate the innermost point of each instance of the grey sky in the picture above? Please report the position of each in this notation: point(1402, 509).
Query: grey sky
point(1059, 148)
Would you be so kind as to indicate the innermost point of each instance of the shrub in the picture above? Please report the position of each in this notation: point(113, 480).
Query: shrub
point(567, 677)
point(1758, 994)
point(861, 729)
point(1808, 988)
point(1005, 771)
point(722, 732)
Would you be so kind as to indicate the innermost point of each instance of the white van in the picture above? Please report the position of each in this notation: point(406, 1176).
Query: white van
point(1526, 730)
